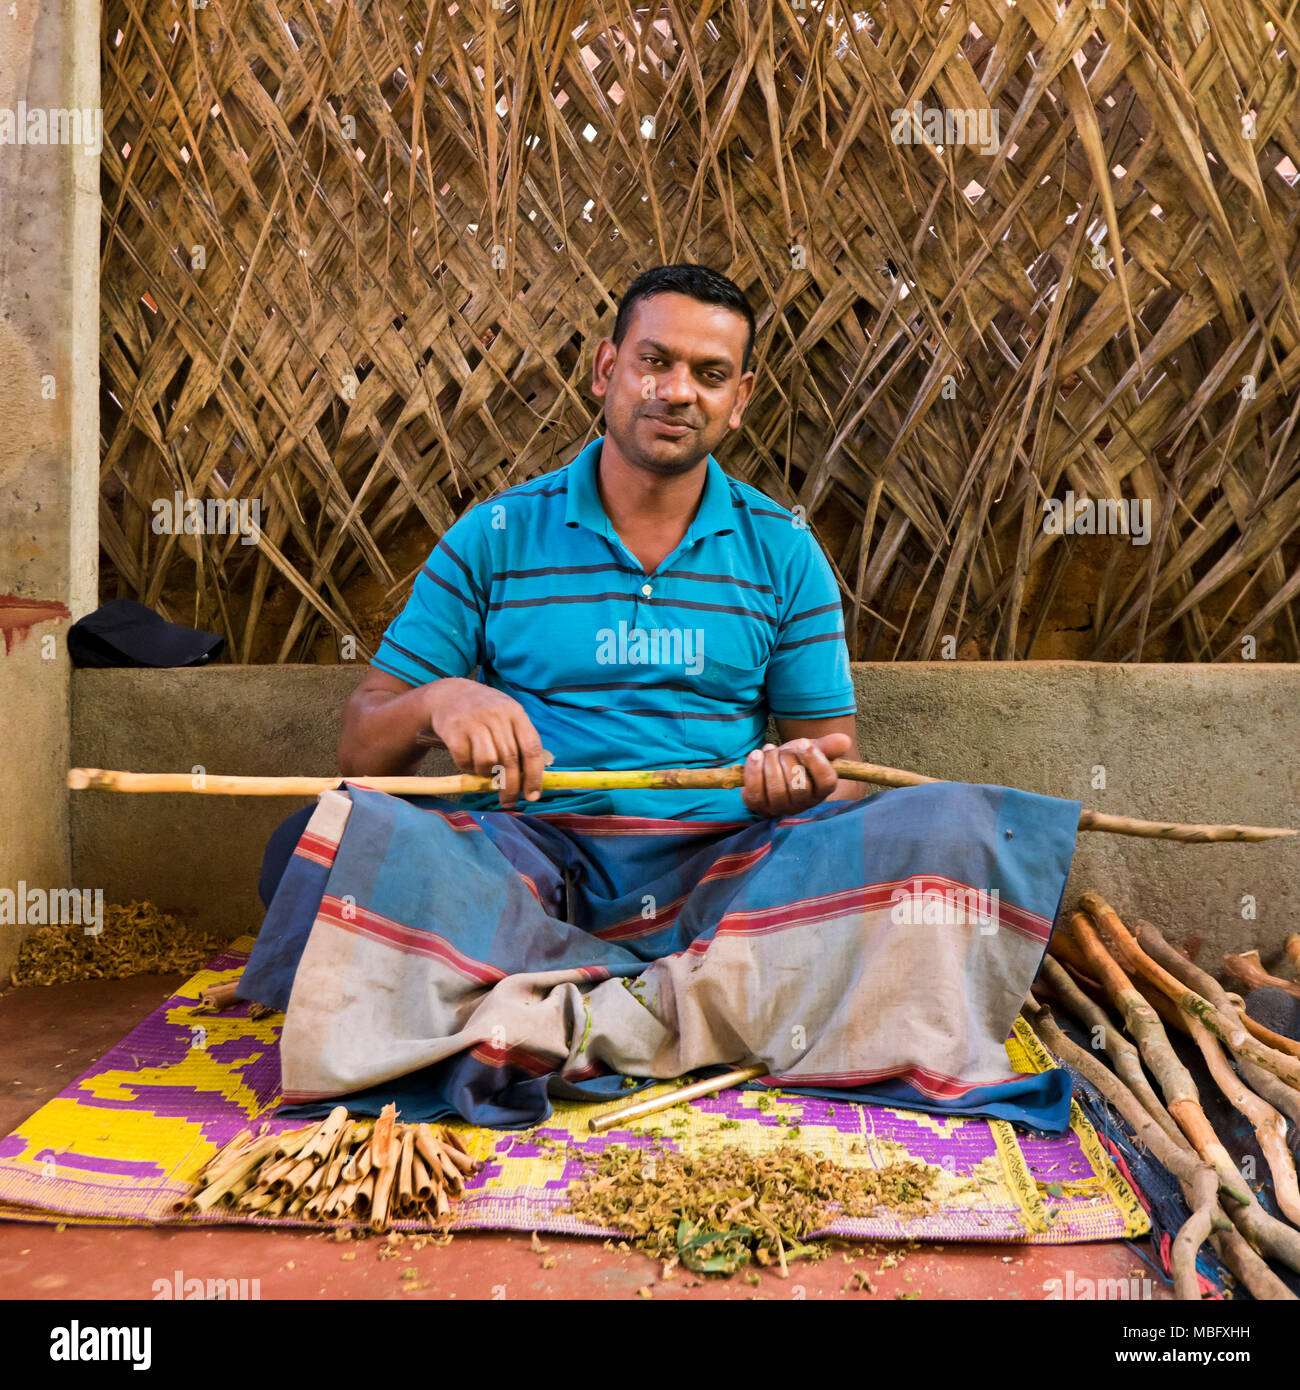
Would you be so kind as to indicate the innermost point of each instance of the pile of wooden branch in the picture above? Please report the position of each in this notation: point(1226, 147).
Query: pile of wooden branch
point(340, 1169)
point(1154, 987)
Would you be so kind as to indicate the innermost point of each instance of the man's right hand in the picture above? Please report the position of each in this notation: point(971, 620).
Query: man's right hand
point(488, 733)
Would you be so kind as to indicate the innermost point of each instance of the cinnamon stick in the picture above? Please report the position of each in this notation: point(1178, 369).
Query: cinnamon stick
point(405, 1170)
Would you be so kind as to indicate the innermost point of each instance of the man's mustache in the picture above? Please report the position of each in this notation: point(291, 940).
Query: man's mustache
point(670, 419)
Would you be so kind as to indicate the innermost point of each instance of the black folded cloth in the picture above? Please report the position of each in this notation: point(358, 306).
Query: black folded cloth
point(122, 632)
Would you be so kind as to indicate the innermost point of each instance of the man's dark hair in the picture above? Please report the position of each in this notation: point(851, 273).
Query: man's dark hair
point(700, 283)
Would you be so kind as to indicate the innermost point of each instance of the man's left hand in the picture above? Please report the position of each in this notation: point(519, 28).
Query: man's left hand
point(793, 777)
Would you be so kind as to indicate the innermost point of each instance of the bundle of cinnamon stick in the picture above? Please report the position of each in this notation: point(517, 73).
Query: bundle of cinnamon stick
point(1099, 970)
point(339, 1169)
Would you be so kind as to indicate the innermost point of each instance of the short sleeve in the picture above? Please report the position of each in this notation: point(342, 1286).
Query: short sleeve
point(440, 631)
point(808, 672)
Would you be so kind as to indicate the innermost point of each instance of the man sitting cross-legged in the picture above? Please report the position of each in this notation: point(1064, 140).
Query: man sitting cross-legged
point(640, 608)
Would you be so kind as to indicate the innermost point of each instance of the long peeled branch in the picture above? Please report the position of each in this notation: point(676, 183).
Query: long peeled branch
point(1179, 965)
point(1195, 1231)
point(1227, 1027)
point(1269, 1126)
point(1191, 974)
point(1175, 1081)
point(648, 779)
point(1270, 1236)
point(1121, 1052)
point(1173, 1153)
point(1278, 1094)
point(1257, 1030)
point(1199, 1181)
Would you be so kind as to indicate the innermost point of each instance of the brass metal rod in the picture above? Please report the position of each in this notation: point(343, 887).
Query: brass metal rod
point(710, 1086)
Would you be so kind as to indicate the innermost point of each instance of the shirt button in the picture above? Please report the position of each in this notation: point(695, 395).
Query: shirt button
point(646, 590)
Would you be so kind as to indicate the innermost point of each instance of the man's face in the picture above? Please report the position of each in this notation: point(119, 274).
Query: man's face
point(674, 389)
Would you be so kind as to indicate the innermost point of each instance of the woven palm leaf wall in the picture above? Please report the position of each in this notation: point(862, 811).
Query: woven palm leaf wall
point(356, 257)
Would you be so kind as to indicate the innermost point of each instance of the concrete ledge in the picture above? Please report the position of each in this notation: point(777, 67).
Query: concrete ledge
point(1180, 742)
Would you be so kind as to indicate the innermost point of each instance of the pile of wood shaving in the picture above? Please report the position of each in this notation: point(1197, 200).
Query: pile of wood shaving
point(138, 939)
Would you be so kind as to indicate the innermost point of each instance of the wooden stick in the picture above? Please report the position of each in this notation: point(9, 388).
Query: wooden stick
point(1175, 1154)
point(1269, 1126)
point(1269, 1235)
point(1203, 1199)
point(711, 1086)
point(1265, 1035)
point(1248, 968)
point(1227, 1027)
point(1292, 949)
point(1199, 1181)
point(649, 779)
point(1123, 1055)
point(1179, 965)
point(1276, 1092)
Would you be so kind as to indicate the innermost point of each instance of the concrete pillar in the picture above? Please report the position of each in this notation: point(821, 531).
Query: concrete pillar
point(50, 130)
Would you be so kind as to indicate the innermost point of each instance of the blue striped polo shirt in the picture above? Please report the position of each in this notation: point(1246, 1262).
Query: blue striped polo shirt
point(618, 668)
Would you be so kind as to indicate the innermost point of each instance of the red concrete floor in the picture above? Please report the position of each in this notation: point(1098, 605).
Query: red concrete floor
point(49, 1035)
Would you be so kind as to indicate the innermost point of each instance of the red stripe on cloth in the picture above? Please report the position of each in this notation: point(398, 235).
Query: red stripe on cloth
point(632, 927)
point(361, 921)
point(584, 1073)
point(457, 820)
point(929, 1083)
point(873, 897)
point(805, 912)
point(493, 1056)
point(727, 866)
point(1017, 919)
point(318, 848)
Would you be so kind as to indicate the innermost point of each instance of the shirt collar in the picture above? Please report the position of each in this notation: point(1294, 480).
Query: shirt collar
point(582, 504)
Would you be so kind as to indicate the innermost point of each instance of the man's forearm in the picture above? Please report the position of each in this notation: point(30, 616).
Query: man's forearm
point(379, 729)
